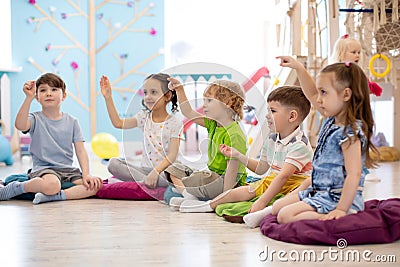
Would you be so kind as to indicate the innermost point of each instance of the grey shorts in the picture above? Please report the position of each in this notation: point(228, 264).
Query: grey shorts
point(204, 185)
point(63, 174)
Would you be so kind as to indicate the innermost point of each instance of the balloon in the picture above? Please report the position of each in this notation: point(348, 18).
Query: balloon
point(105, 146)
point(5, 151)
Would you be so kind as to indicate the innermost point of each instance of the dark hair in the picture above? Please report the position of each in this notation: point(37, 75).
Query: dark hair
point(52, 80)
point(350, 75)
point(293, 97)
point(162, 77)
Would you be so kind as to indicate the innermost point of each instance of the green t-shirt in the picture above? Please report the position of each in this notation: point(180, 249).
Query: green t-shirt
point(231, 135)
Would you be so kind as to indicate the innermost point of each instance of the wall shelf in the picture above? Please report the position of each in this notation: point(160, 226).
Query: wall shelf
point(10, 69)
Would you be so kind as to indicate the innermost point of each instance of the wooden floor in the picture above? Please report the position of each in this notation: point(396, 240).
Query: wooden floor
point(98, 232)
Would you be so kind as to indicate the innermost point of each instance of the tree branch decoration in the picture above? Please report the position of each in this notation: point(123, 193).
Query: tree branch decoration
point(115, 29)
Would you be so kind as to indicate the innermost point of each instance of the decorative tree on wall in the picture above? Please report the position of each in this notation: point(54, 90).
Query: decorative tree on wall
point(94, 15)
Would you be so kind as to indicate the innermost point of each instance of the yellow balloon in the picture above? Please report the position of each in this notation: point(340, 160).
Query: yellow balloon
point(105, 146)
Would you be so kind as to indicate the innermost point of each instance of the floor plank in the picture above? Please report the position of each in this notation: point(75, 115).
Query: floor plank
point(98, 232)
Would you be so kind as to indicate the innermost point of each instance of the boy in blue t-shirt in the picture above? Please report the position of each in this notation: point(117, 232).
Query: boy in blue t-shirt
point(54, 135)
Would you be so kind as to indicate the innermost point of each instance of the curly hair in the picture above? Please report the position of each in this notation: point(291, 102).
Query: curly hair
point(228, 92)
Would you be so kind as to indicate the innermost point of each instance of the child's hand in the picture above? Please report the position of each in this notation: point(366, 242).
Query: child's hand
point(174, 84)
point(29, 88)
point(105, 86)
point(333, 215)
point(257, 205)
point(287, 61)
point(152, 179)
point(92, 182)
point(228, 151)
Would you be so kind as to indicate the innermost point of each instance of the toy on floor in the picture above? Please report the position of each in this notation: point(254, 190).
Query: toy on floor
point(5, 151)
point(5, 147)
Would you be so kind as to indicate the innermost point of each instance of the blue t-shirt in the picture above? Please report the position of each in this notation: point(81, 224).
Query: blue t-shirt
point(52, 140)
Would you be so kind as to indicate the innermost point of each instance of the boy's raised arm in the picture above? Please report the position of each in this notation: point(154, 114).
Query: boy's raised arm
point(184, 104)
point(21, 120)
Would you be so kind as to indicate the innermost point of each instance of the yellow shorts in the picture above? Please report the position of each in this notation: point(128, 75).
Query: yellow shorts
point(291, 184)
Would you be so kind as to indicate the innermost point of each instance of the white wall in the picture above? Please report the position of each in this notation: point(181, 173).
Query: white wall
point(5, 35)
point(226, 32)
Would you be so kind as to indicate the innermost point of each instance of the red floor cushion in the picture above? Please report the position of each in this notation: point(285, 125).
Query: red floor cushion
point(378, 223)
point(130, 190)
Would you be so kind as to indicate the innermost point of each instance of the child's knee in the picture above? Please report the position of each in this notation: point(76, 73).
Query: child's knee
point(283, 215)
point(113, 165)
point(51, 187)
point(275, 208)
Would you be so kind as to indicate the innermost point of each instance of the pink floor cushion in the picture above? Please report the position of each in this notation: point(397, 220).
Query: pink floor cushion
point(378, 223)
point(130, 190)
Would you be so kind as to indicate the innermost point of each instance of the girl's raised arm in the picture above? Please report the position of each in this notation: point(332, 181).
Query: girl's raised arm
point(117, 122)
point(184, 104)
point(307, 83)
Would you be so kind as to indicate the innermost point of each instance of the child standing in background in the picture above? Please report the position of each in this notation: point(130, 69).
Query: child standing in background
point(161, 130)
point(223, 108)
point(286, 152)
point(53, 133)
point(348, 49)
point(341, 94)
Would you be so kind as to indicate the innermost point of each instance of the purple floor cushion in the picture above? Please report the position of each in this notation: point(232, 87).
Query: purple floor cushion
point(378, 223)
point(130, 190)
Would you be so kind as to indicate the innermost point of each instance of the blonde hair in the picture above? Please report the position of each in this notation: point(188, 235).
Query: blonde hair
point(341, 47)
point(228, 92)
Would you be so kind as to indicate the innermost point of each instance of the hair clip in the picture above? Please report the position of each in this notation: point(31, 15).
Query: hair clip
point(347, 64)
point(345, 36)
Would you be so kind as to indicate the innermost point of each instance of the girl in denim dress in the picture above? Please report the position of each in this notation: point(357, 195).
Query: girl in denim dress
point(341, 94)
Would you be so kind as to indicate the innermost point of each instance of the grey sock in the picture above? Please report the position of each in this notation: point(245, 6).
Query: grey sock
point(11, 190)
point(41, 198)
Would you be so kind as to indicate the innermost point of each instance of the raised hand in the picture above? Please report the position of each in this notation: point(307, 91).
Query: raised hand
point(105, 86)
point(29, 88)
point(287, 61)
point(174, 84)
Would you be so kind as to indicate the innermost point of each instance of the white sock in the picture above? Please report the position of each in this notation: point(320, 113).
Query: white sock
point(173, 189)
point(254, 219)
point(195, 206)
point(175, 202)
point(188, 196)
